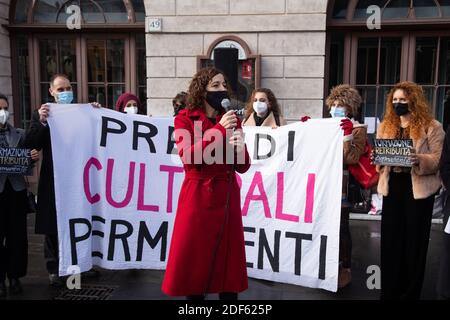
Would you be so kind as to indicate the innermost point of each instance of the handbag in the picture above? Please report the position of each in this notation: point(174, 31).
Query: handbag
point(364, 172)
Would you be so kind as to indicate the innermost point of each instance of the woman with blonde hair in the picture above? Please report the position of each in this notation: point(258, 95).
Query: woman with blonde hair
point(408, 192)
point(262, 109)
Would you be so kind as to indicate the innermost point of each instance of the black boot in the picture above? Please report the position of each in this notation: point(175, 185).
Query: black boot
point(228, 296)
point(15, 287)
point(55, 280)
point(3, 291)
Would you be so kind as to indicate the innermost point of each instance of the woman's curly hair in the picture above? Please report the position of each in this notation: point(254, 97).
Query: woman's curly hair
point(418, 106)
point(197, 88)
point(274, 106)
point(347, 96)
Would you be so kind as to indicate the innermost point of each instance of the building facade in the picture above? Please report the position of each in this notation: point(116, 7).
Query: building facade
point(298, 48)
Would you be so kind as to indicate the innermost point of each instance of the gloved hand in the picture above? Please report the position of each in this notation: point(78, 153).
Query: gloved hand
point(347, 126)
point(305, 118)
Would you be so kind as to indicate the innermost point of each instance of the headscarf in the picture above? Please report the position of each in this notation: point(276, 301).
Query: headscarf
point(125, 98)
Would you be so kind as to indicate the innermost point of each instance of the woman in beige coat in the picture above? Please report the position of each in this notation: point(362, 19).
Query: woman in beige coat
point(408, 193)
point(263, 110)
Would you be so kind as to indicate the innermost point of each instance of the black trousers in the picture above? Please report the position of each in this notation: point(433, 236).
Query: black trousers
point(13, 233)
point(51, 253)
point(443, 283)
point(405, 232)
point(345, 239)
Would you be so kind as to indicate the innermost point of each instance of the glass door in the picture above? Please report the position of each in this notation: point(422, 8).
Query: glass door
point(378, 67)
point(56, 55)
point(100, 67)
point(432, 71)
point(106, 70)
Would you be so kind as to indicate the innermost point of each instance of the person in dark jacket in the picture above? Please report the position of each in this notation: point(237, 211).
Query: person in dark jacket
point(13, 215)
point(179, 102)
point(444, 272)
point(38, 138)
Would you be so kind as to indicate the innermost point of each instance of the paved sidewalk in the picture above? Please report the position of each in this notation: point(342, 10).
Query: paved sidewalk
point(145, 284)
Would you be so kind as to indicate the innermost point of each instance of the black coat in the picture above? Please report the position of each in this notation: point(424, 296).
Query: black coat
point(444, 272)
point(38, 137)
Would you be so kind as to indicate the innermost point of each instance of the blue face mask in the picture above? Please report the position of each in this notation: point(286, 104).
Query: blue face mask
point(65, 97)
point(337, 112)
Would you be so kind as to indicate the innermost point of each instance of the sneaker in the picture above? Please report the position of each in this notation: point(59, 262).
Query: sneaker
point(344, 278)
point(15, 287)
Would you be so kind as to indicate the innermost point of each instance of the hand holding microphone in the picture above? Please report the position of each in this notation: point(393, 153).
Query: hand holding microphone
point(229, 119)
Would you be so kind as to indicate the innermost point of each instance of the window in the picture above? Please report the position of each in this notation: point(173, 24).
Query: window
point(432, 71)
point(21, 13)
point(378, 69)
point(141, 61)
point(22, 97)
point(248, 74)
point(344, 11)
point(139, 10)
point(374, 60)
point(57, 56)
point(100, 65)
point(336, 60)
point(92, 11)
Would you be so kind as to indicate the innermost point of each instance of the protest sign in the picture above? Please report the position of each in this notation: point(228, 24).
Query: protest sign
point(118, 178)
point(392, 152)
point(15, 161)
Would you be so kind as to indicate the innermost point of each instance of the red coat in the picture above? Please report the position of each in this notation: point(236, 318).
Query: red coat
point(200, 220)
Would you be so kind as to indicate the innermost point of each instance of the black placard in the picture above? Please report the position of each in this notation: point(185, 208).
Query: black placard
point(392, 152)
point(16, 161)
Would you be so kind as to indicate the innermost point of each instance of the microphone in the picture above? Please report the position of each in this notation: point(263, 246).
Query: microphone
point(226, 104)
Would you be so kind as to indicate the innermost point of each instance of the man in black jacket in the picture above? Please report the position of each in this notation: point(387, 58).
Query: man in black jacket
point(444, 274)
point(38, 137)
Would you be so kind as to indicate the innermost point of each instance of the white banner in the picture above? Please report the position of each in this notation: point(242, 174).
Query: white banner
point(117, 182)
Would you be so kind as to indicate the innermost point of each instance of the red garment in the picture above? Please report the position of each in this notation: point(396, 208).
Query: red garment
point(347, 126)
point(199, 220)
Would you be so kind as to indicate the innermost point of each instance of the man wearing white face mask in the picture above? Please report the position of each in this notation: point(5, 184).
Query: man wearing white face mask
point(13, 219)
point(263, 110)
point(38, 137)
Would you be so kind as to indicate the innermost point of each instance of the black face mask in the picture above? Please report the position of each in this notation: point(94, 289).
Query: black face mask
point(214, 98)
point(401, 108)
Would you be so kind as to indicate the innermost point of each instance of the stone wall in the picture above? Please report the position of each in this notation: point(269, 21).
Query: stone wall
point(288, 34)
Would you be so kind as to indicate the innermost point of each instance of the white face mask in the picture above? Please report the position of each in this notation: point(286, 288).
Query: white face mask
point(131, 110)
point(4, 116)
point(260, 107)
point(337, 112)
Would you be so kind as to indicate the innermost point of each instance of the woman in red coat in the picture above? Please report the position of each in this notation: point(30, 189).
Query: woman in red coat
point(207, 251)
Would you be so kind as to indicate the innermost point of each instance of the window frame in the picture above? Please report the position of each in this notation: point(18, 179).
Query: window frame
point(407, 69)
point(252, 57)
point(30, 24)
point(388, 24)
